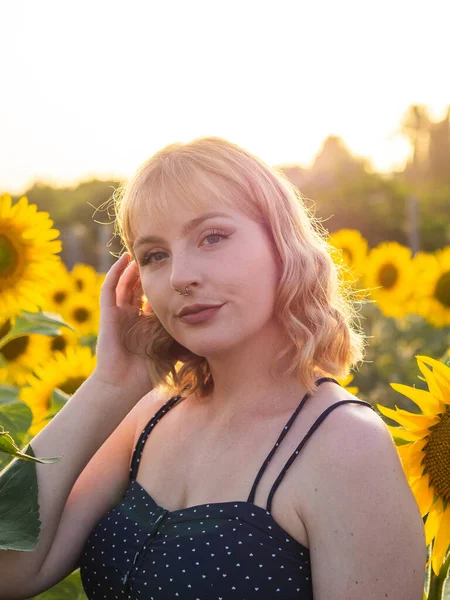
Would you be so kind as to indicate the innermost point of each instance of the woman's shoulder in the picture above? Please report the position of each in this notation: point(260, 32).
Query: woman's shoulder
point(351, 445)
point(341, 423)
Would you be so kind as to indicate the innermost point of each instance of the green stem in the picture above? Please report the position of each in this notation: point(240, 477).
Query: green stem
point(8, 338)
point(437, 581)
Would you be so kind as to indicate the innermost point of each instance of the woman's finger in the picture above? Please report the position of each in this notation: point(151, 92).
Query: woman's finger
point(108, 297)
point(125, 294)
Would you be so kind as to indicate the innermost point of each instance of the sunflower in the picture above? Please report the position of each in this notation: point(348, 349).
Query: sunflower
point(65, 371)
point(433, 293)
point(22, 355)
point(425, 266)
point(82, 311)
point(60, 289)
point(423, 446)
point(345, 381)
point(59, 343)
point(27, 253)
point(389, 274)
point(352, 252)
point(84, 278)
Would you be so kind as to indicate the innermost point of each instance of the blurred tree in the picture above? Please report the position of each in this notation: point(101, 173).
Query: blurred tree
point(335, 164)
point(415, 125)
point(439, 150)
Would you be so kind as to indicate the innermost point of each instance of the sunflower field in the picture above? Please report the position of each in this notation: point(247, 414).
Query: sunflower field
point(48, 329)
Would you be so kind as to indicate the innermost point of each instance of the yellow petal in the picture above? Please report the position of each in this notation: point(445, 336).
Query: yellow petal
point(405, 434)
point(415, 470)
point(404, 451)
point(444, 386)
point(441, 542)
point(433, 521)
point(427, 403)
point(409, 420)
point(412, 457)
point(424, 494)
point(5, 205)
point(415, 458)
point(437, 365)
point(428, 374)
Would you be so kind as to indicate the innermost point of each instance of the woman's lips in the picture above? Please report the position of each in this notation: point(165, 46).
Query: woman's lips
point(200, 317)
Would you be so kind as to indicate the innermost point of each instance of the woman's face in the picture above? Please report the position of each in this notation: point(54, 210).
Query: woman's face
point(226, 260)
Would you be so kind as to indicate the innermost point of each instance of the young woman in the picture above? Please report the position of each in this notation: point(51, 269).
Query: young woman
point(247, 471)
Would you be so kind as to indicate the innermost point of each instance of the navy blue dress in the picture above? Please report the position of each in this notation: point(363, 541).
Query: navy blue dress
point(219, 551)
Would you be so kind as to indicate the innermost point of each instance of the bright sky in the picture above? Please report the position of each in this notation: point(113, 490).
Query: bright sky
point(94, 87)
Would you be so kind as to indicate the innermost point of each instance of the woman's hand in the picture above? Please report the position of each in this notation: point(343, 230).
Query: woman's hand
point(120, 308)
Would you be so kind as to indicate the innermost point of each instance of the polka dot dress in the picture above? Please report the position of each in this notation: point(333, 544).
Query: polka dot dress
point(219, 551)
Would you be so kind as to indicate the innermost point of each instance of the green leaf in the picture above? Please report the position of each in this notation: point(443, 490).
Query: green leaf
point(41, 322)
point(9, 446)
point(19, 508)
point(16, 418)
point(69, 588)
point(90, 341)
point(400, 442)
point(58, 399)
point(8, 393)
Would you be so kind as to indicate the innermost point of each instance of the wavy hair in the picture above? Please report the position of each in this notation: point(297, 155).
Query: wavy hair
point(314, 304)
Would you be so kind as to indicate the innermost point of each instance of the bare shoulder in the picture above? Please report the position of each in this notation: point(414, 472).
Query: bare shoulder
point(351, 423)
point(352, 439)
point(354, 524)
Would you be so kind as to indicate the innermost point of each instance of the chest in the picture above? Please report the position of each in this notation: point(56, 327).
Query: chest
point(185, 464)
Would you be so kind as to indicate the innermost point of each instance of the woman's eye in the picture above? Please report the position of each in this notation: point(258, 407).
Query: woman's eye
point(149, 257)
point(218, 234)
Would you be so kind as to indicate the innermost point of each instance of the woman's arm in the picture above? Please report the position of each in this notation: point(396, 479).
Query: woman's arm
point(365, 530)
point(75, 433)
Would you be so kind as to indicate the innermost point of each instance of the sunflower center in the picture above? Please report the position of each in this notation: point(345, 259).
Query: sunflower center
point(58, 343)
point(442, 290)
point(15, 348)
point(71, 385)
point(9, 258)
point(437, 456)
point(388, 276)
point(59, 297)
point(81, 315)
point(5, 328)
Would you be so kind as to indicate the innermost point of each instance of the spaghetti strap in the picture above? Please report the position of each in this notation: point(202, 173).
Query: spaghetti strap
point(251, 497)
point(144, 435)
point(314, 426)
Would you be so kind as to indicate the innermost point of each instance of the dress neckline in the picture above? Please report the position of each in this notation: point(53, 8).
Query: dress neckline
point(225, 506)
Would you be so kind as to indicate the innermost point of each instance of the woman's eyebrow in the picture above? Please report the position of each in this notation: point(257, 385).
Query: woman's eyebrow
point(186, 229)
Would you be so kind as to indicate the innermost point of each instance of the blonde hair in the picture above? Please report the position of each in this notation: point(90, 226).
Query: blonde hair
point(313, 303)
